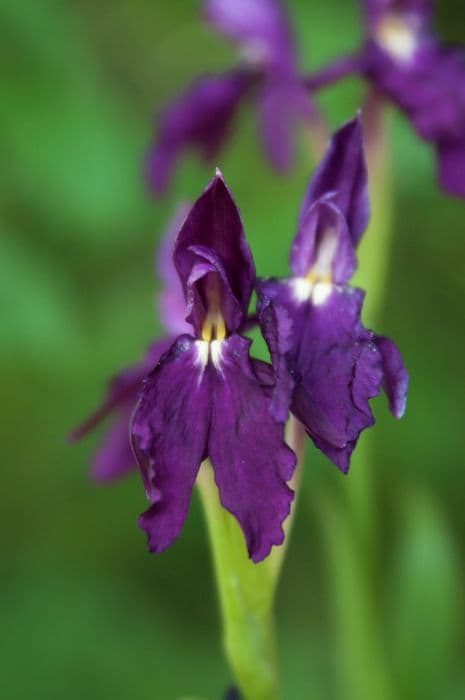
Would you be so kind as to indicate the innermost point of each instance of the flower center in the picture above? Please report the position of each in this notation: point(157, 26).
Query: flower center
point(318, 281)
point(397, 36)
point(255, 54)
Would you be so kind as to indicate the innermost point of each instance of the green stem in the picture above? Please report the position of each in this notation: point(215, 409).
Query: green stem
point(374, 261)
point(246, 590)
point(349, 523)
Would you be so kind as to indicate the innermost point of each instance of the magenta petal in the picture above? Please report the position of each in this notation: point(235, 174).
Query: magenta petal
point(250, 459)
point(169, 436)
point(342, 177)
point(200, 118)
point(396, 377)
point(213, 237)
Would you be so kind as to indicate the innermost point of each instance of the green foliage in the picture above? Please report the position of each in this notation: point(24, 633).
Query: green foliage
point(85, 611)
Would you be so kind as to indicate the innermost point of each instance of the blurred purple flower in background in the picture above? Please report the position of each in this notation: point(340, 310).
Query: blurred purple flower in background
point(327, 364)
point(114, 456)
point(201, 117)
point(205, 398)
point(425, 78)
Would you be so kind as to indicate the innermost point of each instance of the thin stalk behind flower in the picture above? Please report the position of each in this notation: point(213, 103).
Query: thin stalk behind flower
point(247, 590)
point(349, 524)
point(375, 256)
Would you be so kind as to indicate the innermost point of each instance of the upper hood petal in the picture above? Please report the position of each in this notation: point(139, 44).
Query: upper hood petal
point(214, 233)
point(342, 175)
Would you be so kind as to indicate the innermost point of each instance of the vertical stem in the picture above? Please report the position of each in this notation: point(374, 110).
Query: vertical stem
point(246, 590)
point(245, 593)
point(349, 524)
point(374, 260)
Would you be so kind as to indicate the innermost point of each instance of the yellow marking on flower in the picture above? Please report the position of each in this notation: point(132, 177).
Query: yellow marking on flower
point(314, 277)
point(318, 281)
point(213, 327)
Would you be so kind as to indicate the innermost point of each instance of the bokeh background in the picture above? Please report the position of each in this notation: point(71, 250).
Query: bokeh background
point(371, 601)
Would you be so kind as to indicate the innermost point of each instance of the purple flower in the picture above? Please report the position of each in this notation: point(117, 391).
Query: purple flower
point(327, 364)
point(114, 456)
point(205, 397)
point(425, 78)
point(202, 117)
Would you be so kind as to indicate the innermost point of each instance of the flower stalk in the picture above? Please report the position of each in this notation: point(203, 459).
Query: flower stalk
point(349, 525)
point(246, 590)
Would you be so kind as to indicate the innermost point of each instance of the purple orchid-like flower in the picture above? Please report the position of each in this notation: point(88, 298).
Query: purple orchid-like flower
point(201, 118)
point(114, 458)
point(327, 364)
point(425, 78)
point(206, 397)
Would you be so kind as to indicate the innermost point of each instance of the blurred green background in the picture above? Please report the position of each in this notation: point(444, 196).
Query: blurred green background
point(371, 601)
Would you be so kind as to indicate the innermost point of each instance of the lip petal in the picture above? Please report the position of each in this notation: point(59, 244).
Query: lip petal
point(169, 436)
point(246, 445)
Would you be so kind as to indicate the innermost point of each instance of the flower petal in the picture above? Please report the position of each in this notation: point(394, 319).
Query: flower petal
point(278, 326)
point(169, 436)
point(333, 364)
point(199, 118)
point(170, 300)
point(376, 9)
point(396, 377)
point(281, 104)
point(340, 369)
point(213, 236)
point(342, 176)
point(114, 457)
point(260, 26)
point(451, 164)
point(248, 453)
point(426, 80)
point(323, 241)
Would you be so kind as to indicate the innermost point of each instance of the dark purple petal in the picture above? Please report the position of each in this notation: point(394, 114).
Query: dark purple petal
point(250, 459)
point(335, 364)
point(114, 457)
point(281, 105)
point(425, 79)
point(170, 300)
point(323, 246)
point(340, 369)
point(277, 327)
point(342, 175)
point(430, 88)
point(200, 118)
point(169, 436)
point(261, 28)
point(211, 250)
point(451, 160)
point(396, 377)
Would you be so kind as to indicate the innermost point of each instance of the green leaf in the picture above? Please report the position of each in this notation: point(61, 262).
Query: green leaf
point(424, 602)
